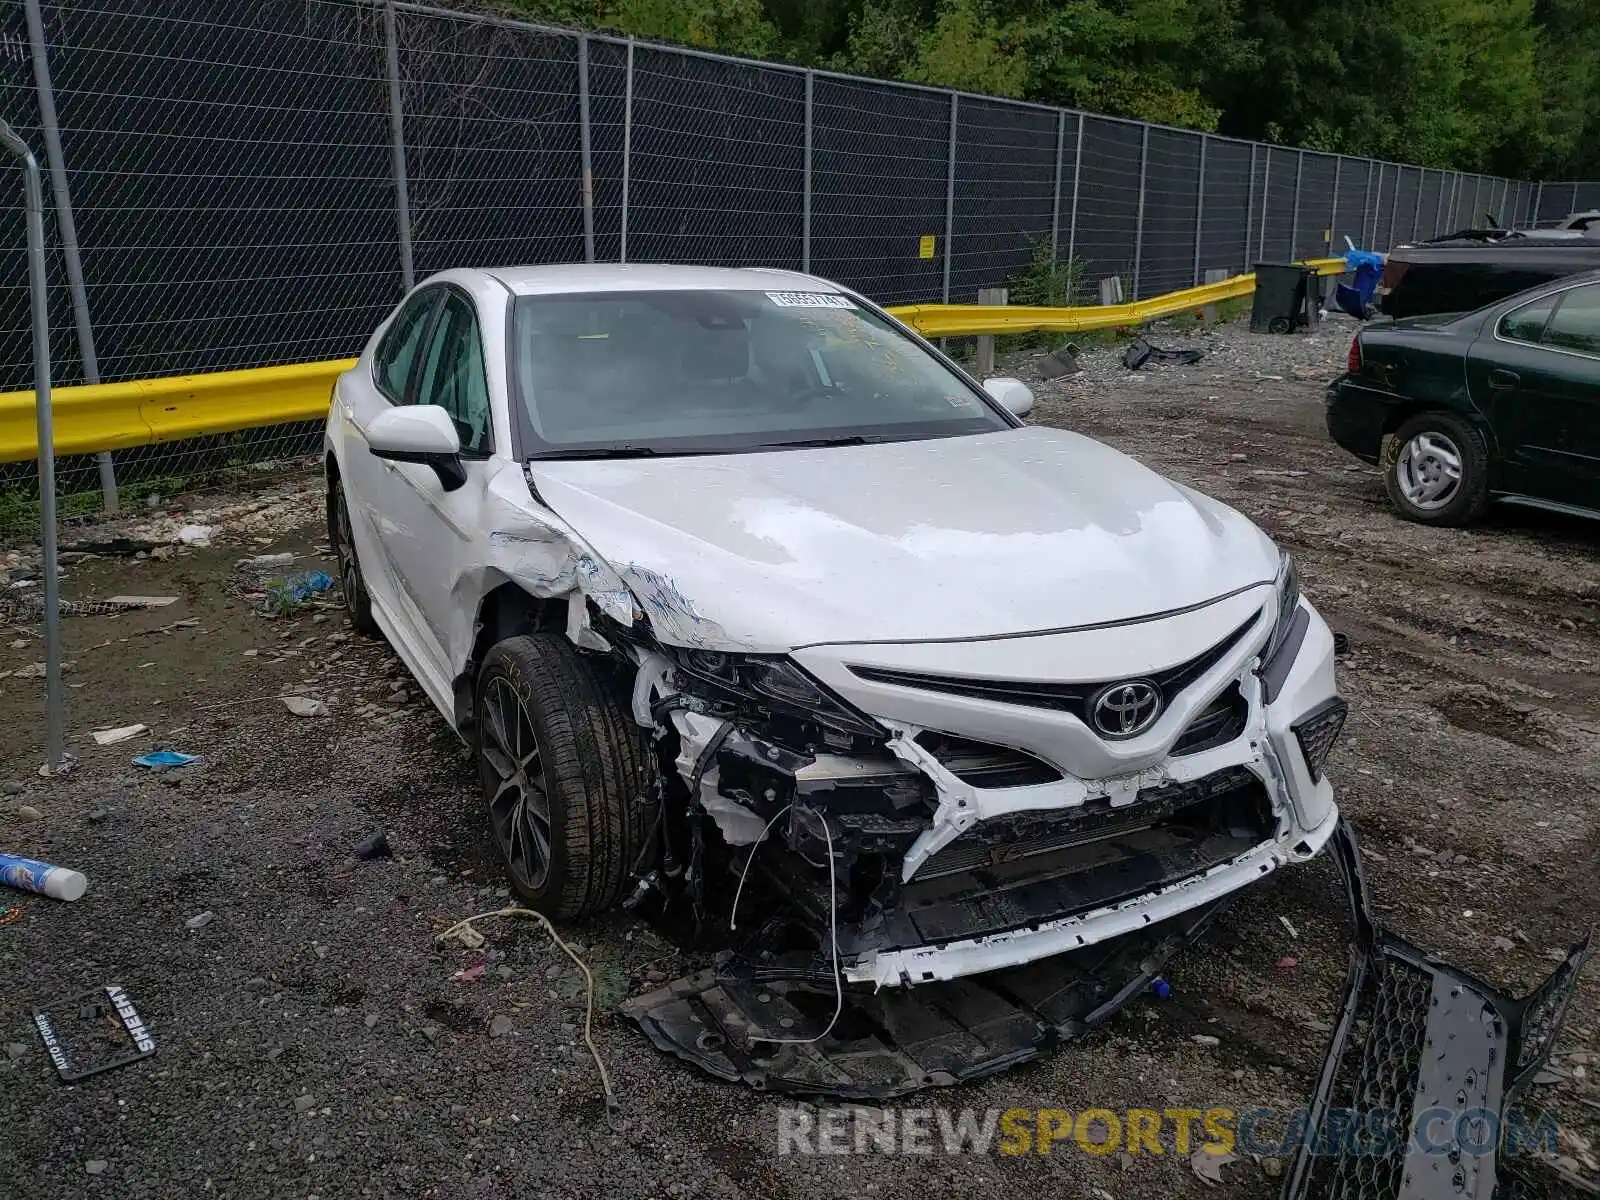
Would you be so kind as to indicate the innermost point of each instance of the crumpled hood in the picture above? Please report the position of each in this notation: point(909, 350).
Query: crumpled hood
point(1017, 531)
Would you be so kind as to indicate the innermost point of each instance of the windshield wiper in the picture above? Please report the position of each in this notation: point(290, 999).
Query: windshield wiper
point(847, 439)
point(620, 451)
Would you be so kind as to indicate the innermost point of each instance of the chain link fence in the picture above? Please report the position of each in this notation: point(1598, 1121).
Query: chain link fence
point(258, 184)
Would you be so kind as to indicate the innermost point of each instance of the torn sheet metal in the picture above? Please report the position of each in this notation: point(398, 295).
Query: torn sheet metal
point(900, 1040)
point(1416, 1097)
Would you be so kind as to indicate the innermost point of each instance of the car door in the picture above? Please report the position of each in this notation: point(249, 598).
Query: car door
point(1536, 374)
point(370, 483)
point(430, 531)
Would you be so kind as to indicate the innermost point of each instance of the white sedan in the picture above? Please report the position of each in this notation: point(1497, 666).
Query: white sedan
point(733, 582)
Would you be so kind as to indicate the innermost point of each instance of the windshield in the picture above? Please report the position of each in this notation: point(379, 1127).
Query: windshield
point(682, 372)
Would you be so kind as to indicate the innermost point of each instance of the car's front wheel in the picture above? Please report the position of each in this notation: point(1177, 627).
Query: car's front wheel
point(1436, 469)
point(562, 765)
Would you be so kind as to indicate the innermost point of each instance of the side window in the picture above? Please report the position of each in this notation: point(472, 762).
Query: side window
point(1576, 324)
point(453, 375)
point(1527, 322)
point(398, 350)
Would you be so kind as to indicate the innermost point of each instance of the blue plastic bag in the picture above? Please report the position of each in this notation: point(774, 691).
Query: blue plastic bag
point(165, 758)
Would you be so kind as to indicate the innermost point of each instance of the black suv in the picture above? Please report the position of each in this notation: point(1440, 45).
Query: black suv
point(1464, 271)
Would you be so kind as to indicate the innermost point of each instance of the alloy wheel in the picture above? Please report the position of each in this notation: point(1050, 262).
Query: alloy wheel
point(1428, 470)
point(513, 778)
point(345, 552)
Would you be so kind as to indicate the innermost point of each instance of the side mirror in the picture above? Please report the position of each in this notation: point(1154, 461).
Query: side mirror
point(419, 433)
point(1012, 394)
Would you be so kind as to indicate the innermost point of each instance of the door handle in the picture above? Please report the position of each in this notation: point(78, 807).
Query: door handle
point(1503, 380)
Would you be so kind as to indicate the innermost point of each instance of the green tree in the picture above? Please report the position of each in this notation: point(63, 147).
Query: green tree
point(1509, 86)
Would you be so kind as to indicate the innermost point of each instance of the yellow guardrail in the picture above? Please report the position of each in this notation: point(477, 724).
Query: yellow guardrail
point(955, 320)
point(144, 412)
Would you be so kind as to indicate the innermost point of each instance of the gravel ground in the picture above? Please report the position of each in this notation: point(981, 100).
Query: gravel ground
point(314, 1043)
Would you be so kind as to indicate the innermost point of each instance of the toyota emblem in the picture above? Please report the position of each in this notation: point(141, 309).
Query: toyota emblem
point(1126, 709)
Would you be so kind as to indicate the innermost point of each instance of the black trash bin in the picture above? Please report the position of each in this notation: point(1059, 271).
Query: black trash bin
point(1280, 299)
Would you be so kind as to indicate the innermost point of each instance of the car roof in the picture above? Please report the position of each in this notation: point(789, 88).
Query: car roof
point(649, 277)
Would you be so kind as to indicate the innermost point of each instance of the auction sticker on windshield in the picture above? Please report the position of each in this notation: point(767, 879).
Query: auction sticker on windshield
point(810, 300)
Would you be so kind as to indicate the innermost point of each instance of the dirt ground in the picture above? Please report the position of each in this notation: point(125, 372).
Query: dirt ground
point(312, 1041)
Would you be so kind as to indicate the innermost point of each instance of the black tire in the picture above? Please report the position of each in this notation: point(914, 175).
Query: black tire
point(592, 763)
point(353, 585)
point(1406, 460)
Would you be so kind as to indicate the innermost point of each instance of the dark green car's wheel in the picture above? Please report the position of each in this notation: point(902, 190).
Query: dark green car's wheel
point(561, 762)
point(357, 600)
point(1436, 469)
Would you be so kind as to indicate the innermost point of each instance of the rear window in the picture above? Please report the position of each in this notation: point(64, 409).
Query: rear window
point(1576, 324)
point(1527, 323)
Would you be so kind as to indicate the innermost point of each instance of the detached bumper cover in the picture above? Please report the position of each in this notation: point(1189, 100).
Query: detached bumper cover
point(1416, 1096)
point(899, 1040)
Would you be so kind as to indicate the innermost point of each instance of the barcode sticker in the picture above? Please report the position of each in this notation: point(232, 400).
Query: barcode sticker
point(810, 300)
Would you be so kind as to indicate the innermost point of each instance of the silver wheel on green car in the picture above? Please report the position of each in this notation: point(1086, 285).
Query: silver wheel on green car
point(1436, 469)
point(1428, 470)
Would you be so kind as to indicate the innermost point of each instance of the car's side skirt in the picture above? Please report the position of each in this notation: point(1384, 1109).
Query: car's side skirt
point(1571, 510)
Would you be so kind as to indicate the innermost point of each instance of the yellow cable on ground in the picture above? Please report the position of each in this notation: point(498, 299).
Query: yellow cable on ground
point(588, 980)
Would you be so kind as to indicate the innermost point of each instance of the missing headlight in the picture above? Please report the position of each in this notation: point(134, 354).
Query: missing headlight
point(773, 695)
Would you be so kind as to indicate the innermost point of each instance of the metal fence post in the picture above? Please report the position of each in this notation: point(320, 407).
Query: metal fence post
point(397, 151)
point(586, 183)
point(1377, 207)
point(1538, 204)
point(950, 196)
point(1077, 171)
point(1266, 186)
point(1250, 209)
point(1294, 208)
point(56, 759)
point(805, 200)
point(67, 227)
point(1394, 202)
point(627, 149)
point(1055, 205)
point(1333, 207)
point(1138, 232)
point(1200, 206)
point(1366, 199)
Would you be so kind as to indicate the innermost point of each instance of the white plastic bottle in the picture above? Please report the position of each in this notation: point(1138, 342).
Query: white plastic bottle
point(59, 883)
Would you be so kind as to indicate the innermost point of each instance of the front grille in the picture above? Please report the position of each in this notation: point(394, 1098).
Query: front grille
point(1378, 1075)
point(1063, 697)
point(1218, 724)
point(1015, 836)
point(984, 765)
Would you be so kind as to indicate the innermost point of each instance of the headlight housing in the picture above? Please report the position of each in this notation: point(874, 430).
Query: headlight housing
point(772, 694)
point(1288, 587)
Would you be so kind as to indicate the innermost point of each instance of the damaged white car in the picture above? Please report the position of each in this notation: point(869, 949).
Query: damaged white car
point(737, 585)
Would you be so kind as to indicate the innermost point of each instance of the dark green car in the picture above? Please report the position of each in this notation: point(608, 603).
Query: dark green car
point(1499, 404)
